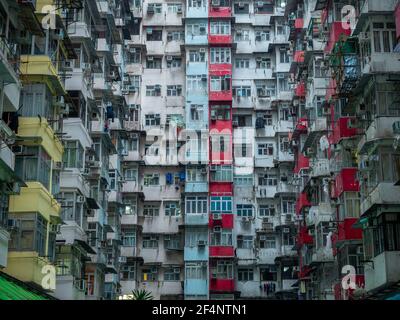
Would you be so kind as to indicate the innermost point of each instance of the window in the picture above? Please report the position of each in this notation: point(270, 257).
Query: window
point(241, 91)
point(350, 207)
point(173, 62)
point(221, 204)
point(283, 55)
point(196, 205)
point(244, 210)
point(222, 237)
point(73, 155)
point(35, 165)
point(263, 6)
point(220, 55)
point(134, 55)
point(194, 270)
point(284, 144)
point(220, 27)
point(172, 209)
point(222, 173)
point(245, 274)
point(267, 242)
point(130, 174)
point(175, 36)
point(150, 241)
point(221, 112)
point(150, 274)
point(268, 179)
point(31, 234)
point(128, 272)
point(151, 210)
point(220, 83)
point(129, 238)
point(196, 3)
point(172, 274)
point(151, 179)
point(152, 119)
point(241, 7)
point(153, 35)
point(197, 55)
point(265, 149)
point(196, 29)
point(153, 91)
point(263, 63)
point(242, 35)
point(174, 91)
point(384, 37)
point(174, 8)
point(262, 35)
point(288, 205)
point(266, 88)
point(196, 112)
point(242, 63)
point(386, 233)
point(266, 210)
point(268, 273)
point(196, 83)
point(153, 63)
point(222, 269)
point(244, 242)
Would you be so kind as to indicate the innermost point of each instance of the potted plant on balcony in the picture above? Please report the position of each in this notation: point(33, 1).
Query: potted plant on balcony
point(141, 294)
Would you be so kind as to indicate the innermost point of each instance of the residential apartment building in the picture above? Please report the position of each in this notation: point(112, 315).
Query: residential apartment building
point(345, 144)
point(200, 149)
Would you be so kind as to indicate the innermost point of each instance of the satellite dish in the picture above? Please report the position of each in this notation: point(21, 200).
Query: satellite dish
point(324, 143)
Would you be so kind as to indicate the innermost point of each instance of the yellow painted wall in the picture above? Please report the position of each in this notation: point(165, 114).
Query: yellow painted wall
point(35, 127)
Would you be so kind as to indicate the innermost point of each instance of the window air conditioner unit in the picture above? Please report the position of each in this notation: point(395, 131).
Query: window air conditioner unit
point(201, 243)
point(80, 199)
point(235, 123)
point(202, 50)
point(260, 4)
point(217, 216)
point(213, 168)
point(263, 237)
point(177, 270)
point(217, 229)
point(241, 4)
point(286, 230)
point(150, 58)
point(179, 10)
point(215, 3)
point(122, 259)
point(150, 9)
point(169, 58)
point(132, 50)
point(203, 171)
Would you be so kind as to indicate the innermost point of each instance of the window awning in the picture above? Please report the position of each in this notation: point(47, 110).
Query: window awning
point(14, 289)
point(92, 203)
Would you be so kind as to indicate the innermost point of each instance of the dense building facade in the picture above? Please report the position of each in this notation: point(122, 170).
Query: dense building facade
point(200, 149)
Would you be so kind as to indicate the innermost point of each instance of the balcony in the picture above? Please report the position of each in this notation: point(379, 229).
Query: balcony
point(26, 266)
point(383, 193)
point(347, 232)
point(196, 253)
point(221, 252)
point(131, 187)
point(298, 56)
point(215, 39)
point(40, 68)
point(346, 181)
point(319, 168)
point(198, 186)
point(37, 131)
point(323, 212)
point(322, 255)
point(380, 129)
point(285, 187)
point(304, 238)
point(224, 285)
point(302, 162)
point(8, 58)
point(196, 287)
point(382, 271)
point(130, 252)
point(342, 129)
point(196, 219)
point(72, 179)
point(266, 191)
